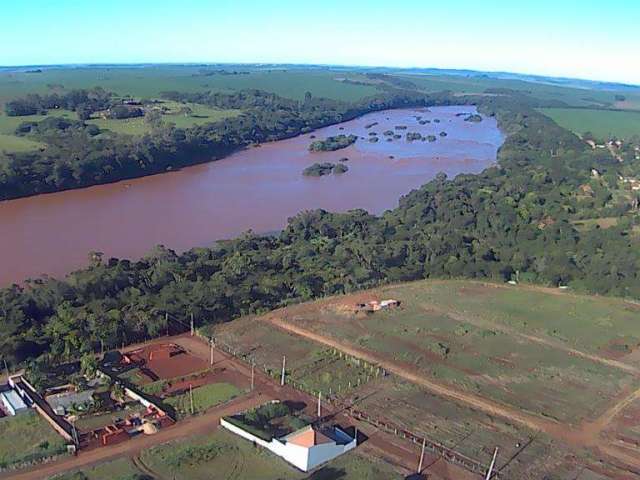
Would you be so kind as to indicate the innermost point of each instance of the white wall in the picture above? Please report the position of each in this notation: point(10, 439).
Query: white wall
point(301, 457)
point(322, 453)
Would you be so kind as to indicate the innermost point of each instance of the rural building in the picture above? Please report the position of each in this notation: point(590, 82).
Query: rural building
point(375, 305)
point(306, 448)
point(12, 403)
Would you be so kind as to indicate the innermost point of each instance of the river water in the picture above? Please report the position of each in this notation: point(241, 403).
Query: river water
point(257, 188)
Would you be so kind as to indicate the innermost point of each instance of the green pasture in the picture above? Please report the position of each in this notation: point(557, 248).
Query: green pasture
point(603, 124)
point(149, 82)
point(9, 142)
point(204, 398)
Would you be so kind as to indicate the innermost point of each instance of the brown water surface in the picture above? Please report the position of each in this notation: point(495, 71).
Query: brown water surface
point(257, 188)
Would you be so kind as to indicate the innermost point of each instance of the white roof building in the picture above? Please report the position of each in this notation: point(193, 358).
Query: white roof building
point(12, 403)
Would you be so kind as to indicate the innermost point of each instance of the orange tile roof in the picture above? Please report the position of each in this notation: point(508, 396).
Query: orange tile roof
point(308, 438)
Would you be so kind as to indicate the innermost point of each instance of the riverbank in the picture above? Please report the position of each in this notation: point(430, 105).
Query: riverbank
point(255, 188)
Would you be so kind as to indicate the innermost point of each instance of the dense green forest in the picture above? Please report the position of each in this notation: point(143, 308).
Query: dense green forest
point(514, 220)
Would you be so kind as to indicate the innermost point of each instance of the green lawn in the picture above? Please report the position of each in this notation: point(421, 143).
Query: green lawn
point(27, 437)
point(204, 398)
point(222, 455)
point(602, 123)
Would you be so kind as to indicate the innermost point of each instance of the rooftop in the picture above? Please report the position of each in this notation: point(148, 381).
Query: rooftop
point(307, 437)
point(13, 399)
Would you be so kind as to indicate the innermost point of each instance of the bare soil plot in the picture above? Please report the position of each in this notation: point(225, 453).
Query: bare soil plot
point(166, 361)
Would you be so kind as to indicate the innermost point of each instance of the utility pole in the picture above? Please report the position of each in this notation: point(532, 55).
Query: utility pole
point(211, 349)
point(493, 463)
point(6, 367)
point(319, 405)
point(424, 444)
point(166, 321)
point(191, 397)
point(192, 327)
point(284, 363)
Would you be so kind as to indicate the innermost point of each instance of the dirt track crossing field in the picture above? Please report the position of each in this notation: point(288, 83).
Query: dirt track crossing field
point(586, 436)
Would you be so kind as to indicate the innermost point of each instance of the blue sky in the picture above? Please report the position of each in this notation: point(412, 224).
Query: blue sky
point(588, 39)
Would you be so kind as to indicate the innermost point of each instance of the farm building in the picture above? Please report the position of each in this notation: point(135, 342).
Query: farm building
point(306, 448)
point(12, 403)
point(375, 305)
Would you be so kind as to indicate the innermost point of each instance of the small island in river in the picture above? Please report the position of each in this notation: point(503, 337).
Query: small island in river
point(325, 168)
point(331, 144)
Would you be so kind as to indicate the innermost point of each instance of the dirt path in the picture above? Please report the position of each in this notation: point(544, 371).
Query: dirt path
point(583, 437)
point(140, 465)
point(192, 426)
point(604, 420)
point(532, 338)
point(479, 403)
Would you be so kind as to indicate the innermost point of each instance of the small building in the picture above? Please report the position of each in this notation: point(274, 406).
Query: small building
point(375, 305)
point(306, 448)
point(12, 403)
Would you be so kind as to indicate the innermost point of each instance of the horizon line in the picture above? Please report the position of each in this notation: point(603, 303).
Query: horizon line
point(204, 63)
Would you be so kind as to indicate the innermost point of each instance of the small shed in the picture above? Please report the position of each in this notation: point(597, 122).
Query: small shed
point(12, 403)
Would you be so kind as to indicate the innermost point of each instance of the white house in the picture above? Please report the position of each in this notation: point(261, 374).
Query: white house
point(12, 403)
point(305, 448)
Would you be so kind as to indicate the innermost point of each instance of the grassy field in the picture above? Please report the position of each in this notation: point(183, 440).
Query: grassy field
point(603, 124)
point(27, 437)
point(200, 114)
point(204, 398)
point(473, 337)
point(577, 97)
point(150, 81)
point(120, 469)
point(10, 142)
point(233, 458)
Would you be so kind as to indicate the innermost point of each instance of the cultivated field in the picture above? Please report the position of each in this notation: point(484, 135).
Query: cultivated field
point(603, 124)
point(149, 82)
point(311, 367)
point(476, 339)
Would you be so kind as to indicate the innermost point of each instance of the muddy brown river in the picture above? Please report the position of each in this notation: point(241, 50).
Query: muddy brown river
point(257, 188)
